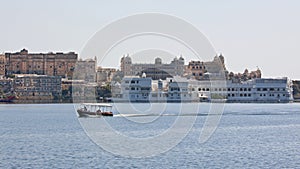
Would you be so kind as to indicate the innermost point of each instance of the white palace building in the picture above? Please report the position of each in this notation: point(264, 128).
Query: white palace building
point(179, 89)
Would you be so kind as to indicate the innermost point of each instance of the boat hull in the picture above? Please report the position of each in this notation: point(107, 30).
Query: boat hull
point(83, 113)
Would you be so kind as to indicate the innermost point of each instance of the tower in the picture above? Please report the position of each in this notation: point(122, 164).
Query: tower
point(126, 65)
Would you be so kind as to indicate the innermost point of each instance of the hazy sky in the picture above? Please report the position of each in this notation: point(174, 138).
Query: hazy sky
point(248, 33)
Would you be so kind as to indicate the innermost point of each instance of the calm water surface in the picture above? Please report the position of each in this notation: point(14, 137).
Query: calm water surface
point(248, 136)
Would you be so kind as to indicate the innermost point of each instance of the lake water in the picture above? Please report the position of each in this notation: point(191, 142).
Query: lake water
point(247, 136)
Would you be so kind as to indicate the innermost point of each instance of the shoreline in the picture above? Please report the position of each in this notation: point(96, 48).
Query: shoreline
point(93, 101)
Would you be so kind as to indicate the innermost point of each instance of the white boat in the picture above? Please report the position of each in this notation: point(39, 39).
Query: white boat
point(94, 110)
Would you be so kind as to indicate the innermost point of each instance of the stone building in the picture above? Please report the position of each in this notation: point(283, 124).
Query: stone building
point(2, 65)
point(85, 70)
point(238, 77)
point(105, 74)
point(30, 87)
point(296, 90)
point(204, 70)
point(6, 86)
point(196, 69)
point(51, 64)
point(156, 71)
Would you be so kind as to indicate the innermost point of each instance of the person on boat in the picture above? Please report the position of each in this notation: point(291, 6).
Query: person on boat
point(84, 108)
point(98, 111)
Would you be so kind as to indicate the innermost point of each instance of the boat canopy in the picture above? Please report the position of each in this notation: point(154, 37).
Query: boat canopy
point(97, 104)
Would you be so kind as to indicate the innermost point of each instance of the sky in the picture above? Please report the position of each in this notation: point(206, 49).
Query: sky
point(249, 34)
